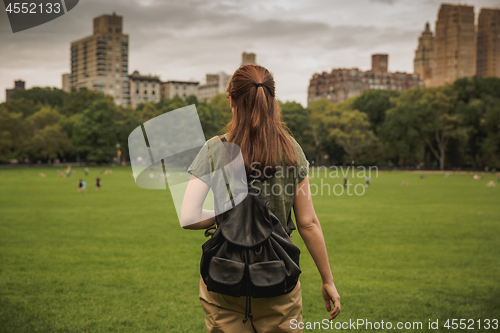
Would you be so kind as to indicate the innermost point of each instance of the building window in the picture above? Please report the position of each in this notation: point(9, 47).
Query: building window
point(145, 92)
point(137, 91)
point(145, 85)
point(145, 99)
point(136, 98)
point(153, 85)
point(176, 87)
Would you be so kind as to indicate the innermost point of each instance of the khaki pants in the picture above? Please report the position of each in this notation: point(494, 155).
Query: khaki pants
point(225, 314)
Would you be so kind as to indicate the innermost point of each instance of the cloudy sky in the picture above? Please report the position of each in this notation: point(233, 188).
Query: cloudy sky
point(185, 39)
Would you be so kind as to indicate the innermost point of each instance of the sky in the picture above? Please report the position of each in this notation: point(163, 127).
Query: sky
point(186, 39)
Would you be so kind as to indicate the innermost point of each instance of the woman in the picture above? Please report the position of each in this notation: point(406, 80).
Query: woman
point(266, 146)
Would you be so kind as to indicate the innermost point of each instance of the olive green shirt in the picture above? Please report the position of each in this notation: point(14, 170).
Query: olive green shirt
point(278, 189)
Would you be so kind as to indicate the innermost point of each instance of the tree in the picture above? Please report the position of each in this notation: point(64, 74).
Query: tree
point(94, 133)
point(350, 129)
point(22, 105)
point(446, 122)
point(81, 99)
point(222, 107)
point(319, 110)
point(46, 138)
point(402, 133)
point(147, 111)
point(438, 120)
point(53, 97)
point(126, 120)
point(11, 134)
point(375, 104)
point(491, 145)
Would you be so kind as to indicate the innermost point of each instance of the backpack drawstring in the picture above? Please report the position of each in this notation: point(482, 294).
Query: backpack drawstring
point(248, 312)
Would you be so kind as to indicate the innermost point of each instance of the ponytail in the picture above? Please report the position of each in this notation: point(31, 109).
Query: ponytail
point(256, 126)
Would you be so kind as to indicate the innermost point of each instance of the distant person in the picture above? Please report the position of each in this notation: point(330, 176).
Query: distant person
point(447, 175)
point(68, 171)
point(491, 184)
point(43, 175)
point(80, 185)
point(86, 171)
point(98, 184)
point(403, 183)
point(345, 182)
point(84, 186)
point(423, 177)
point(367, 179)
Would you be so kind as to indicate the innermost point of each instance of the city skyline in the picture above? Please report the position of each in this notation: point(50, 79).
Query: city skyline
point(184, 40)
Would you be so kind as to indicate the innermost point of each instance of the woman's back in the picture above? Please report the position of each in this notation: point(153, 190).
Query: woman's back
point(278, 168)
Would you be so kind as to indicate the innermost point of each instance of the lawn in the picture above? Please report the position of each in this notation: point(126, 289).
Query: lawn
point(118, 261)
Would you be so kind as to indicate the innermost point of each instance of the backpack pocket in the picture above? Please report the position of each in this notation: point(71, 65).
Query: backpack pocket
point(225, 276)
point(267, 278)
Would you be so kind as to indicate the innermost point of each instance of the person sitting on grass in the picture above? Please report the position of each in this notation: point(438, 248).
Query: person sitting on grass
point(97, 184)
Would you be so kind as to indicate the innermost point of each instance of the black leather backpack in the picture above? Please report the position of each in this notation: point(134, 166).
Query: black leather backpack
point(250, 254)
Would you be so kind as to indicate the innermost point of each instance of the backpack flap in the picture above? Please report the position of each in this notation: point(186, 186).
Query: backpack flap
point(249, 223)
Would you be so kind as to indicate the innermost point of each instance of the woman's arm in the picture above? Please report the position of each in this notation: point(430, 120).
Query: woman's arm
point(193, 216)
point(310, 231)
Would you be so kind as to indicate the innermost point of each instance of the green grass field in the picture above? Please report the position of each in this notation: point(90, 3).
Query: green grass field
point(118, 261)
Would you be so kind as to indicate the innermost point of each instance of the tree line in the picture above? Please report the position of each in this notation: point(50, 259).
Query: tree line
point(452, 126)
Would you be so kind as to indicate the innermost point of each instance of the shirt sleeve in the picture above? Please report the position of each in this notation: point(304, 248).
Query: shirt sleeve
point(302, 163)
point(200, 167)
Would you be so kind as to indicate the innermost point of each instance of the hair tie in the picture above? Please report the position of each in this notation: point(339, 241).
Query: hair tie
point(259, 85)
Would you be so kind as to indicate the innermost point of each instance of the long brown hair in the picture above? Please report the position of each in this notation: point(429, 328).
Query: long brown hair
point(256, 126)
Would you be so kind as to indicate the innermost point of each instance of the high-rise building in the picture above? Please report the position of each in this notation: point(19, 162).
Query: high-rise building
point(424, 55)
point(344, 83)
point(216, 84)
point(100, 61)
point(183, 89)
point(18, 85)
point(488, 43)
point(454, 44)
point(65, 78)
point(248, 58)
point(143, 88)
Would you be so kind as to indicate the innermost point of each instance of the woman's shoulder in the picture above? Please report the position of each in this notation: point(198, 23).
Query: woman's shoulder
point(215, 138)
